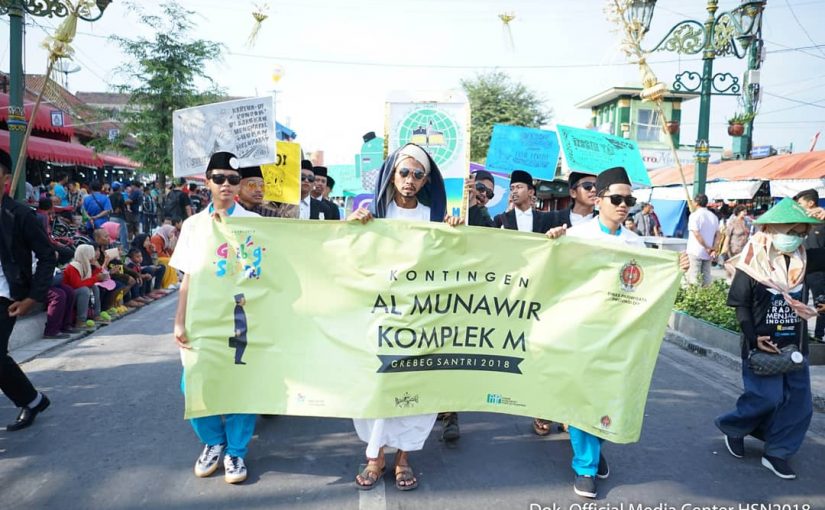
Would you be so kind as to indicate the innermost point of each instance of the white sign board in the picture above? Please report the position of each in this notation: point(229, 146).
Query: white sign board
point(245, 127)
point(663, 158)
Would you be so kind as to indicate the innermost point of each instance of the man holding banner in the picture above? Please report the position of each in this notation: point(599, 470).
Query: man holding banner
point(407, 179)
point(583, 194)
point(231, 433)
point(522, 217)
point(614, 198)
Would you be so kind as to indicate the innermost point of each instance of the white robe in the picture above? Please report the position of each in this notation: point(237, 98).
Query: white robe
point(406, 433)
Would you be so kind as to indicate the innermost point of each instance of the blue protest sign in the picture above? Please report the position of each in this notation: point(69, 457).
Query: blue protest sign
point(519, 148)
point(592, 152)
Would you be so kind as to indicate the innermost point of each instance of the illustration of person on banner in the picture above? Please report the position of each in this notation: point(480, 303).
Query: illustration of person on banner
point(409, 187)
point(224, 436)
point(614, 199)
point(319, 187)
point(310, 209)
point(769, 294)
point(522, 216)
point(251, 195)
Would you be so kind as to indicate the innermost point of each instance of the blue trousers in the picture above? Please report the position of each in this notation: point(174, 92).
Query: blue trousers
point(233, 430)
point(776, 409)
point(586, 451)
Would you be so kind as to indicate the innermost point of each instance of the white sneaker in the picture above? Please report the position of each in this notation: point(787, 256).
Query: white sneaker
point(234, 469)
point(207, 463)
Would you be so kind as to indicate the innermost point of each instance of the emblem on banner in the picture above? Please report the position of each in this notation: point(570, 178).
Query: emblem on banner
point(606, 421)
point(630, 276)
point(406, 400)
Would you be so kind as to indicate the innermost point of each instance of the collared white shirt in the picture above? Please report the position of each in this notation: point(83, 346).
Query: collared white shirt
point(420, 213)
point(304, 213)
point(524, 219)
point(5, 291)
point(593, 229)
point(576, 219)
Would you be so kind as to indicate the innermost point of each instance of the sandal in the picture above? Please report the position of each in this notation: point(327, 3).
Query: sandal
point(542, 427)
point(405, 474)
point(371, 474)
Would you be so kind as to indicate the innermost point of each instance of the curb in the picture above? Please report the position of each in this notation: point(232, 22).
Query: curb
point(724, 358)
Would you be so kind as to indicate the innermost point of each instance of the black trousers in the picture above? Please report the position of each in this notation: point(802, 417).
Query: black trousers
point(13, 382)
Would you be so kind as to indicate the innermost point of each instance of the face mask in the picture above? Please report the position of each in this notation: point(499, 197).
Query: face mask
point(786, 243)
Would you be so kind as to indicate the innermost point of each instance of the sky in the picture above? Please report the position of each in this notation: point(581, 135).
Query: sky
point(340, 59)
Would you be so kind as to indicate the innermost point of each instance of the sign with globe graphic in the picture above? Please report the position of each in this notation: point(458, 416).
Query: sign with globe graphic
point(439, 122)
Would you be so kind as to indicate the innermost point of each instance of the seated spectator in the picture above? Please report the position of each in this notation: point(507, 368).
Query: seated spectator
point(81, 275)
point(147, 273)
point(148, 264)
point(63, 246)
point(128, 282)
point(163, 244)
point(60, 303)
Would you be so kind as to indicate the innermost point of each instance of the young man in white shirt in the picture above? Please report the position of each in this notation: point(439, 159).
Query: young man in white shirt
point(226, 435)
point(701, 246)
point(614, 200)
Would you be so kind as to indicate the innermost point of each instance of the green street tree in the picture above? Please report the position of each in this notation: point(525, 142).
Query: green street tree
point(496, 99)
point(164, 73)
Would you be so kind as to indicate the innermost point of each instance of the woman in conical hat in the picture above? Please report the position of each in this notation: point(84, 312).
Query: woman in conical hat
point(768, 292)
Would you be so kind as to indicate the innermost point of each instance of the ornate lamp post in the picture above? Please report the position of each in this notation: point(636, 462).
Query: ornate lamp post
point(16, 9)
point(737, 32)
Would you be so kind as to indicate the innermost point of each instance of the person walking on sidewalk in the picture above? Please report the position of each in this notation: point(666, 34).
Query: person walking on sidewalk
point(815, 280)
point(227, 435)
point(21, 234)
point(701, 245)
point(767, 292)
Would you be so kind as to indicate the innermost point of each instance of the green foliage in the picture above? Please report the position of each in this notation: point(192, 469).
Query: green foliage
point(741, 118)
point(496, 99)
point(163, 75)
point(708, 303)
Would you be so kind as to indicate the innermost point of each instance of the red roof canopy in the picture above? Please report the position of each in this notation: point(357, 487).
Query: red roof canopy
point(43, 120)
point(55, 151)
point(804, 165)
point(118, 161)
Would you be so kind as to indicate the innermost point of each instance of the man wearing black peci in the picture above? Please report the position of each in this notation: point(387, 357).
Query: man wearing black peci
point(329, 209)
point(522, 217)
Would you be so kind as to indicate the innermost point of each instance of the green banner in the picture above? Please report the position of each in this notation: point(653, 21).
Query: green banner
point(399, 318)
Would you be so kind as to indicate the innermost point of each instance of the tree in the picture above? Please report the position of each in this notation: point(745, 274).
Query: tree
point(496, 99)
point(162, 77)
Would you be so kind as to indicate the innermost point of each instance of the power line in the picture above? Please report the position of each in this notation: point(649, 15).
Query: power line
point(790, 9)
point(804, 103)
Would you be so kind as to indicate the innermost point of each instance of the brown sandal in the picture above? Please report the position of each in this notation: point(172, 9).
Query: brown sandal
point(405, 474)
point(371, 473)
point(542, 427)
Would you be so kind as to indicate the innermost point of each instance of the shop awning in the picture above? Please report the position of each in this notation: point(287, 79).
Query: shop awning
point(55, 151)
point(790, 187)
point(805, 165)
point(49, 118)
point(118, 161)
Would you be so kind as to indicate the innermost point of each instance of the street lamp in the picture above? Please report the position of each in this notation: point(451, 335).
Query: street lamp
point(737, 32)
point(16, 10)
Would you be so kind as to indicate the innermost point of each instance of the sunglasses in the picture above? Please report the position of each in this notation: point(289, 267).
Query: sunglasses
point(629, 200)
point(417, 174)
point(307, 178)
point(487, 191)
point(219, 179)
point(586, 186)
point(254, 185)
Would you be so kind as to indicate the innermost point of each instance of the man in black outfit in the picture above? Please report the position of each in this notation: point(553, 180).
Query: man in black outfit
point(482, 190)
point(21, 233)
point(308, 207)
point(329, 209)
point(522, 217)
point(809, 199)
point(583, 193)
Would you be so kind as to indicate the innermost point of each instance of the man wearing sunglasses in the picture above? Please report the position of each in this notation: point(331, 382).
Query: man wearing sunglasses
point(614, 199)
point(522, 217)
point(309, 208)
point(329, 209)
point(224, 436)
point(583, 194)
point(481, 190)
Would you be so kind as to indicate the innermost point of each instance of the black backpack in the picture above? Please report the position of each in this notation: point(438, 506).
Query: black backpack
point(171, 205)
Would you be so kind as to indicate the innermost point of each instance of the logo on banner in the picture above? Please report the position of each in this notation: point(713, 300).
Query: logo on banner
point(606, 421)
point(434, 130)
point(630, 276)
point(246, 259)
point(406, 400)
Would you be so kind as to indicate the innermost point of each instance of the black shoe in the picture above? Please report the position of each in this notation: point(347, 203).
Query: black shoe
point(779, 467)
point(604, 468)
point(736, 446)
point(585, 486)
point(59, 336)
point(451, 431)
point(28, 414)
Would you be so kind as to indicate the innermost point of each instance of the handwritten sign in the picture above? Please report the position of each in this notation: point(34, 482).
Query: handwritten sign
point(245, 127)
point(592, 152)
point(282, 179)
point(520, 148)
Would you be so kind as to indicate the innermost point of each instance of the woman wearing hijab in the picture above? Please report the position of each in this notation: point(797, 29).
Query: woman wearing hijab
point(163, 241)
point(766, 292)
point(82, 274)
point(409, 186)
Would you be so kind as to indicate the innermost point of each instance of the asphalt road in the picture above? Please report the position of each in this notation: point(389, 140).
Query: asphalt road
point(114, 438)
